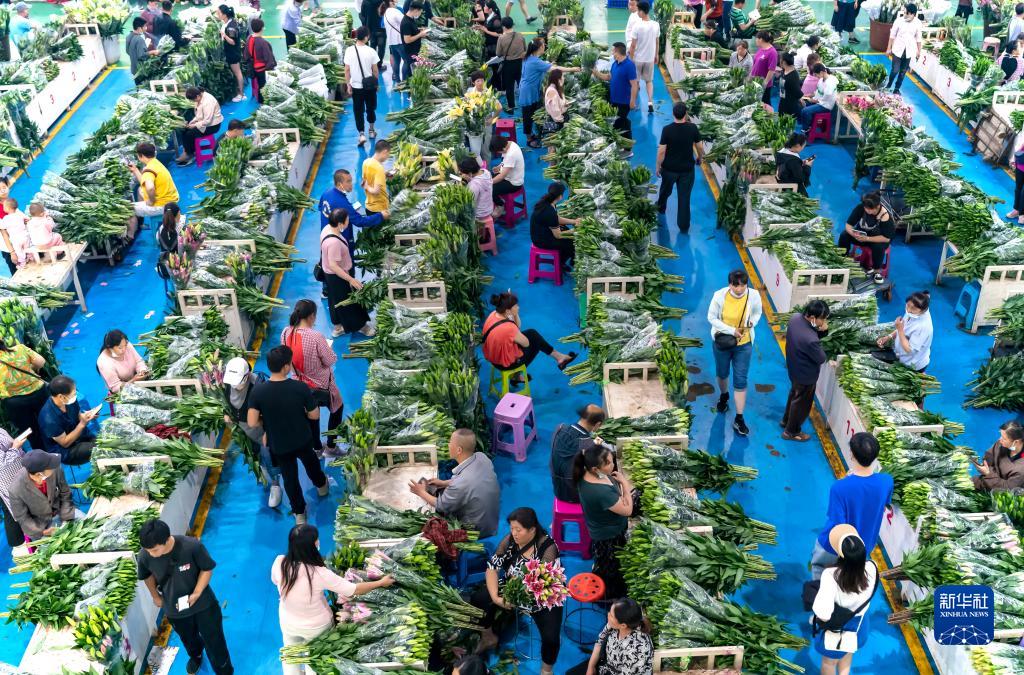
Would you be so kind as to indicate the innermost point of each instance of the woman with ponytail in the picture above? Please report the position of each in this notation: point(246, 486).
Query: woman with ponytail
point(313, 362)
point(841, 604)
point(336, 262)
point(624, 647)
point(547, 227)
point(506, 346)
point(530, 85)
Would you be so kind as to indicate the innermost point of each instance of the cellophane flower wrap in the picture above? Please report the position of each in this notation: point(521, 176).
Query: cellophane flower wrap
point(541, 585)
point(475, 109)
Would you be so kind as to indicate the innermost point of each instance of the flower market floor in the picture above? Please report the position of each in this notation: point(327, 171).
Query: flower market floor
point(244, 536)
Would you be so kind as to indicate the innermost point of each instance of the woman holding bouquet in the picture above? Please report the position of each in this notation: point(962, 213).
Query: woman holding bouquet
point(526, 544)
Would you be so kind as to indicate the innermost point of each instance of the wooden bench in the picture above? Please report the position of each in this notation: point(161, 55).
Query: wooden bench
point(47, 267)
point(698, 656)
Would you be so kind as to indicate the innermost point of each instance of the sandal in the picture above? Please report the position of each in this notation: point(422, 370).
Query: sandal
point(798, 437)
point(572, 357)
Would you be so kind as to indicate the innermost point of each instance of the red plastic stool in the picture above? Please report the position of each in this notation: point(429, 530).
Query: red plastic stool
point(539, 256)
point(514, 204)
point(585, 588)
point(487, 239)
point(505, 128)
point(821, 127)
point(863, 256)
point(205, 149)
point(570, 513)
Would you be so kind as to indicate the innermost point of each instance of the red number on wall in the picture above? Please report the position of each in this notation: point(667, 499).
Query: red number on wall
point(949, 81)
point(52, 101)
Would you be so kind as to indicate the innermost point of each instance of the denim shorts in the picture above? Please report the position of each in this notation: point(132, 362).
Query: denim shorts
point(739, 358)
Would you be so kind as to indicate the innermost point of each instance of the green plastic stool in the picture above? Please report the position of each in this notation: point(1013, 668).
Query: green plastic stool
point(505, 378)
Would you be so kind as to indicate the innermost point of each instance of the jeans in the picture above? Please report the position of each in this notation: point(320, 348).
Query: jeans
point(898, 71)
point(820, 559)
point(511, 72)
point(622, 123)
point(205, 629)
point(364, 102)
point(267, 462)
point(877, 249)
point(739, 359)
point(723, 21)
point(289, 465)
point(397, 59)
point(548, 622)
point(294, 635)
point(407, 62)
point(537, 345)
point(808, 113)
point(682, 182)
point(798, 407)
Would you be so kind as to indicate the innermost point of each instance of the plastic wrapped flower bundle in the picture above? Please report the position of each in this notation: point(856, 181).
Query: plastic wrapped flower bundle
point(360, 519)
point(185, 346)
point(807, 245)
point(669, 505)
point(648, 462)
point(669, 422)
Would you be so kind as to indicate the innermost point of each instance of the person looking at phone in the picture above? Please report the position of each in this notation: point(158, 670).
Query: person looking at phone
point(156, 187)
point(790, 167)
point(1000, 469)
point(507, 346)
point(40, 497)
point(870, 226)
point(65, 420)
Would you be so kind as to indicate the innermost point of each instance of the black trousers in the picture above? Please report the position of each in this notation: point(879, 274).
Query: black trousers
point(900, 65)
point(565, 247)
point(798, 407)
point(364, 102)
point(379, 41)
point(537, 345)
point(548, 622)
point(964, 11)
point(349, 317)
point(333, 420)
point(23, 412)
point(289, 465)
point(502, 187)
point(877, 249)
point(289, 39)
point(78, 454)
point(15, 536)
point(10, 263)
point(606, 565)
point(622, 122)
point(511, 72)
point(1018, 192)
point(682, 182)
point(261, 81)
point(201, 630)
point(190, 134)
point(528, 111)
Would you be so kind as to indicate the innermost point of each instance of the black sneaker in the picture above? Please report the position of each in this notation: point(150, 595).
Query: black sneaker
point(193, 666)
point(723, 403)
point(650, 108)
point(853, 40)
point(739, 426)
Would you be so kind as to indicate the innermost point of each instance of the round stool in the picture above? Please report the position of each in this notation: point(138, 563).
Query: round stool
point(585, 588)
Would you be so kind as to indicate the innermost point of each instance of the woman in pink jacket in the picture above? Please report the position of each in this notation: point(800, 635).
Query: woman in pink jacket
point(301, 579)
point(118, 362)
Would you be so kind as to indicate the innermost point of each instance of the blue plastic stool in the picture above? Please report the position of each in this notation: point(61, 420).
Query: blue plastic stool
point(471, 568)
point(967, 303)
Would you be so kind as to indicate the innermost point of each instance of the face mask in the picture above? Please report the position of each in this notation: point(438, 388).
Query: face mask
point(69, 401)
point(907, 316)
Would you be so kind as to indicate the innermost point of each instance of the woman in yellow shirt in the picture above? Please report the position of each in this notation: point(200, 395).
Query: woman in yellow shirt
point(22, 393)
point(733, 313)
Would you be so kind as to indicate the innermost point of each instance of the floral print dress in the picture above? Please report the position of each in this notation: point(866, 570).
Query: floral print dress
point(631, 655)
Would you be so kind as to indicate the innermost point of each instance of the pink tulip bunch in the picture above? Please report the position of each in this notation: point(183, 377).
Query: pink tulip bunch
point(546, 582)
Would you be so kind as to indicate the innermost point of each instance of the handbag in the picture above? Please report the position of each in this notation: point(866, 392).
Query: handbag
point(318, 268)
point(836, 637)
point(321, 395)
point(725, 342)
point(369, 83)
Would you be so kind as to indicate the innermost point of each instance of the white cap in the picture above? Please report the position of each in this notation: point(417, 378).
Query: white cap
point(235, 371)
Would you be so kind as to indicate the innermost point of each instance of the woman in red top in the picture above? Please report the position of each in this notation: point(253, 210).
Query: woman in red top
point(506, 346)
point(713, 10)
point(260, 55)
point(313, 362)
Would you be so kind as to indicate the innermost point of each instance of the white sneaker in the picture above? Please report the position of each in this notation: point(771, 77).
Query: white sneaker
point(300, 519)
point(338, 331)
point(238, 99)
point(368, 330)
point(362, 139)
point(275, 496)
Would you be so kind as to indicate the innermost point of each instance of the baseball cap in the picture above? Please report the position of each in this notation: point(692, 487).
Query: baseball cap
point(38, 461)
point(236, 369)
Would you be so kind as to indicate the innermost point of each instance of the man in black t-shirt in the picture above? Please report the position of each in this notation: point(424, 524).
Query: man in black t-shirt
point(177, 572)
point(872, 229)
point(412, 36)
point(284, 407)
point(678, 151)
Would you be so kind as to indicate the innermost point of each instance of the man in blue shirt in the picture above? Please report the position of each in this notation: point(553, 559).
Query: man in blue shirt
point(860, 499)
point(337, 198)
point(65, 426)
point(21, 26)
point(623, 88)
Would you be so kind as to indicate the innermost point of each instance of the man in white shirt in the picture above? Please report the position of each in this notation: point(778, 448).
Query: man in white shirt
point(1016, 27)
point(805, 50)
point(393, 28)
point(904, 44)
point(643, 49)
point(511, 173)
point(632, 20)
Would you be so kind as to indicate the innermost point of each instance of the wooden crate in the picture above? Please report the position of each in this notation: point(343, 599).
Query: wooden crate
point(125, 463)
point(388, 485)
point(705, 656)
point(677, 441)
point(622, 287)
point(58, 560)
point(410, 240)
point(164, 86)
point(563, 23)
point(104, 252)
point(640, 392)
point(198, 300)
point(425, 296)
point(999, 283)
point(172, 387)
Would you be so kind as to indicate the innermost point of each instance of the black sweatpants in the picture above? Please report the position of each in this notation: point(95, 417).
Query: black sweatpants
point(15, 535)
point(78, 454)
point(537, 344)
point(877, 249)
point(502, 187)
point(364, 103)
point(333, 420)
point(683, 184)
point(548, 622)
point(289, 39)
point(511, 72)
point(289, 465)
point(622, 122)
point(528, 111)
point(11, 265)
point(798, 407)
point(261, 81)
point(205, 629)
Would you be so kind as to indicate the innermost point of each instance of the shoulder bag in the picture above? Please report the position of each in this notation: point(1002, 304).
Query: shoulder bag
point(318, 268)
point(836, 637)
point(30, 373)
point(487, 332)
point(369, 83)
point(725, 342)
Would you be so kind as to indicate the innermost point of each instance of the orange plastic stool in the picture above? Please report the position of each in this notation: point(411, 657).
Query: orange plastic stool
point(488, 240)
point(585, 588)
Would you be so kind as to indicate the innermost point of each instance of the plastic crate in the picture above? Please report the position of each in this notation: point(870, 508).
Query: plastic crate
point(618, 4)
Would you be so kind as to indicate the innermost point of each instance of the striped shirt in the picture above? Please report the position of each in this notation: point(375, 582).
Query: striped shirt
point(318, 359)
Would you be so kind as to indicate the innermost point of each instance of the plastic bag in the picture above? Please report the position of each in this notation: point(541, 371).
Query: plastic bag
point(125, 429)
point(132, 393)
point(96, 579)
point(137, 480)
point(144, 415)
point(114, 535)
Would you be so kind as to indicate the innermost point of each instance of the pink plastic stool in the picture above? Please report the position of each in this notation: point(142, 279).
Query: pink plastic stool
point(505, 128)
point(570, 513)
point(515, 208)
point(205, 149)
point(488, 240)
point(515, 411)
point(821, 127)
point(539, 256)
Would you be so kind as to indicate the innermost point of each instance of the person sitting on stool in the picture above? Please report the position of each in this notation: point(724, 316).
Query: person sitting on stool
point(565, 445)
point(871, 227)
point(506, 346)
point(911, 342)
point(548, 229)
point(65, 426)
point(40, 497)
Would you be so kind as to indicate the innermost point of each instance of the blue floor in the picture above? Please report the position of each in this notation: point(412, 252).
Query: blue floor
point(244, 535)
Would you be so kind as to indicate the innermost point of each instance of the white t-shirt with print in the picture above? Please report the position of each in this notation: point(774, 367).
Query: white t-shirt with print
point(368, 56)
